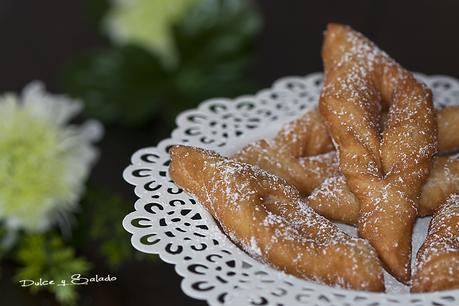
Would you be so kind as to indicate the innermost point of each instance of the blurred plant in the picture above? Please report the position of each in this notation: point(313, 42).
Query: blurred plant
point(118, 84)
point(44, 161)
point(47, 257)
point(147, 23)
point(101, 208)
point(164, 56)
point(159, 66)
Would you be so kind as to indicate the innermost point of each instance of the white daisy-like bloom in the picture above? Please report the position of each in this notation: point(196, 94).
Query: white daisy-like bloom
point(44, 160)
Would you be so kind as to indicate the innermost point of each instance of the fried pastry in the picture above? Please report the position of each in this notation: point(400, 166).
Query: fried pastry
point(442, 182)
point(305, 173)
point(305, 136)
point(333, 199)
point(448, 125)
point(387, 170)
point(302, 153)
point(437, 265)
point(308, 135)
point(267, 218)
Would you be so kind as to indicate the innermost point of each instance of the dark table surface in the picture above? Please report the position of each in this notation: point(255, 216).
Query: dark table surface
point(39, 37)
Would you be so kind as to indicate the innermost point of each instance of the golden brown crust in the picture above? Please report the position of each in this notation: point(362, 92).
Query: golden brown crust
point(437, 265)
point(305, 136)
point(386, 173)
point(333, 199)
point(319, 177)
point(442, 182)
point(305, 173)
point(448, 127)
point(300, 153)
point(268, 219)
point(308, 135)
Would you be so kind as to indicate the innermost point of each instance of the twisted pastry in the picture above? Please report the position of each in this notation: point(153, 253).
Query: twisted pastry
point(437, 265)
point(448, 125)
point(288, 157)
point(301, 153)
point(267, 218)
point(305, 136)
point(442, 182)
point(308, 135)
point(304, 173)
point(335, 201)
point(385, 173)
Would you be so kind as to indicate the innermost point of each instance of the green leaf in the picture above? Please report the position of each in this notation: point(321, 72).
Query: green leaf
point(47, 257)
point(124, 84)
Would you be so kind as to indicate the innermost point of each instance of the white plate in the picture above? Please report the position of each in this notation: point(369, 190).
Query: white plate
point(168, 222)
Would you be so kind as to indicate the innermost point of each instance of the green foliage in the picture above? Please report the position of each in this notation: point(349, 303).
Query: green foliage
point(214, 43)
point(122, 84)
point(130, 86)
point(47, 257)
point(104, 211)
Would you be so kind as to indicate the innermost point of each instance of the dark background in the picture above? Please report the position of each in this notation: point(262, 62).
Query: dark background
point(38, 38)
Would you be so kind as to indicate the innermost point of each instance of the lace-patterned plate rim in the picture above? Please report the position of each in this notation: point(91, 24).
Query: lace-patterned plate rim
point(168, 222)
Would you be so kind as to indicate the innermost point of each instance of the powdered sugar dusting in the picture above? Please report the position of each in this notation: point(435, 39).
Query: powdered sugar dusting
point(443, 233)
point(438, 258)
point(303, 172)
point(330, 188)
point(385, 171)
point(264, 215)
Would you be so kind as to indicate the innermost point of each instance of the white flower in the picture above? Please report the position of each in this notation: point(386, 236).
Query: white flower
point(44, 161)
point(147, 23)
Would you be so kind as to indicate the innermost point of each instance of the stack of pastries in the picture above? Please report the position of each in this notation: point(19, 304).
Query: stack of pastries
point(373, 155)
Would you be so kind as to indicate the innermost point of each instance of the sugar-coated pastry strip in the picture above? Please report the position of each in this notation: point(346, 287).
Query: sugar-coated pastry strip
point(385, 171)
point(442, 182)
point(333, 199)
point(304, 173)
point(448, 127)
point(267, 218)
point(437, 266)
point(301, 154)
point(308, 134)
point(305, 136)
